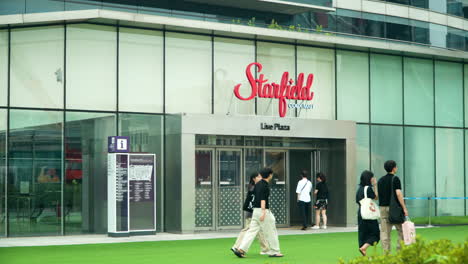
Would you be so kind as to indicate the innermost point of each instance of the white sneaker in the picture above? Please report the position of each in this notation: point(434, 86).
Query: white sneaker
point(315, 227)
point(264, 253)
point(324, 227)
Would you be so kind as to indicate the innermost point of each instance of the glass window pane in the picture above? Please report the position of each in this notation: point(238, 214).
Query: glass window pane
point(438, 35)
point(449, 171)
point(12, 7)
point(466, 94)
point(35, 172)
point(188, 88)
point(91, 67)
point(276, 59)
point(39, 6)
point(3, 127)
point(85, 187)
point(387, 144)
point(37, 77)
point(362, 150)
point(231, 58)
point(141, 70)
point(419, 91)
point(449, 94)
point(353, 85)
point(386, 89)
point(146, 136)
point(419, 168)
point(3, 67)
point(321, 63)
point(398, 28)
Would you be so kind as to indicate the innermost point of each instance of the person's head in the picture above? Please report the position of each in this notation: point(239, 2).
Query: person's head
point(390, 166)
point(366, 177)
point(304, 174)
point(321, 177)
point(253, 178)
point(267, 173)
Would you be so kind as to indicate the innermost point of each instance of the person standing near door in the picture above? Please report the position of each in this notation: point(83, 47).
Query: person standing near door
point(321, 201)
point(263, 219)
point(303, 189)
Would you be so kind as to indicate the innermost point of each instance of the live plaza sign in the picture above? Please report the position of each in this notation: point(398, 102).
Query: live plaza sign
point(286, 89)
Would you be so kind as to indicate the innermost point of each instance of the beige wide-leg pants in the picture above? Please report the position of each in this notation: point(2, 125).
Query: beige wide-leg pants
point(267, 226)
point(261, 239)
point(386, 230)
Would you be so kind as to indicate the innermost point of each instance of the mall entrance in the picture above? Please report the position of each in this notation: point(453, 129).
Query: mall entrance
point(223, 165)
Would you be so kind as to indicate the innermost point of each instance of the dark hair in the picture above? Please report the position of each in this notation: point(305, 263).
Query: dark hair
point(304, 173)
point(389, 165)
point(252, 177)
point(265, 172)
point(322, 177)
point(366, 177)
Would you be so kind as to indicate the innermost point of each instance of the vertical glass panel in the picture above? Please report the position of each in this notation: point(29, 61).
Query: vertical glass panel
point(320, 63)
point(387, 144)
point(203, 188)
point(35, 173)
point(82, 5)
point(145, 132)
point(386, 89)
point(37, 67)
point(3, 128)
point(188, 88)
point(374, 25)
point(419, 169)
point(419, 91)
point(362, 150)
point(39, 6)
point(349, 22)
point(85, 188)
point(398, 28)
point(140, 70)
point(276, 59)
point(230, 195)
point(449, 171)
point(449, 94)
point(3, 67)
point(420, 31)
point(353, 85)
point(231, 58)
point(91, 67)
point(253, 163)
point(276, 160)
point(12, 7)
point(466, 93)
point(438, 35)
point(438, 5)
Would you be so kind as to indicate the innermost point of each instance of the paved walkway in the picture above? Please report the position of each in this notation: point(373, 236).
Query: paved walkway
point(100, 239)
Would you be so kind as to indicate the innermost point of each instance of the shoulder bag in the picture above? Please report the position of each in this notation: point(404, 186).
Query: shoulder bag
point(369, 208)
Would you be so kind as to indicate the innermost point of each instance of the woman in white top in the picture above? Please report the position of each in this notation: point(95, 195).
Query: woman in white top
point(304, 187)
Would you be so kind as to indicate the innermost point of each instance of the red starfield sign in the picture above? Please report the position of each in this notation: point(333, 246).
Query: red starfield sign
point(286, 89)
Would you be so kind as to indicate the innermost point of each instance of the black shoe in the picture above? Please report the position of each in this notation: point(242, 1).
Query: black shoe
point(237, 253)
point(304, 228)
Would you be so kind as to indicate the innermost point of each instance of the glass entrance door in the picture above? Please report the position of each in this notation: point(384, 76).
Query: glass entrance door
point(204, 187)
point(229, 191)
point(276, 160)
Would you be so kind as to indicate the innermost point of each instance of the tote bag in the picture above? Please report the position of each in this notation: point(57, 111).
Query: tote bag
point(369, 209)
point(409, 232)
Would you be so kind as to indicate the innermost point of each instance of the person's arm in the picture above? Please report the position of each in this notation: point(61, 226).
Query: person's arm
point(399, 194)
point(298, 191)
point(374, 188)
point(263, 207)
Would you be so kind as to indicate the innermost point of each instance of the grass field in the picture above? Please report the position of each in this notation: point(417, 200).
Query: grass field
point(303, 249)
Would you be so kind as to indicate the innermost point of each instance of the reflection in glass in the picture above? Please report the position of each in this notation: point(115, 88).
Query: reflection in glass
point(203, 188)
point(3, 67)
point(35, 173)
point(85, 188)
point(362, 150)
point(277, 162)
point(449, 94)
point(391, 148)
point(3, 126)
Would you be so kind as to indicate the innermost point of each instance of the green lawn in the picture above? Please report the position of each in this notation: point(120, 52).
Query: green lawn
point(320, 249)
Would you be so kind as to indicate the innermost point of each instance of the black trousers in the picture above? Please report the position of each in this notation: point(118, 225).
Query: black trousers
point(304, 209)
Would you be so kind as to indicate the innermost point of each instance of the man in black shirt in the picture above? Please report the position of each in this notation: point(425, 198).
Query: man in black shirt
point(262, 219)
point(385, 192)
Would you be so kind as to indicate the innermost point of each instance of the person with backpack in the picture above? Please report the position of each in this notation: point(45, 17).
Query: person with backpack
point(303, 189)
point(391, 196)
point(248, 208)
point(321, 203)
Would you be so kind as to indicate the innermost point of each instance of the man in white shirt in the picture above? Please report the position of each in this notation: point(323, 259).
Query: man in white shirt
point(304, 187)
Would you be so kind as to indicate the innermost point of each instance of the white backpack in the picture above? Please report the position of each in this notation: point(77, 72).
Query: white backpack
point(369, 208)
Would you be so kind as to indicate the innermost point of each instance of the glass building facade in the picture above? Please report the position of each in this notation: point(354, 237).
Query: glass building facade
point(90, 81)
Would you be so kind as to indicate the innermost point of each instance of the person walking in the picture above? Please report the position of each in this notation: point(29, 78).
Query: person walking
point(321, 198)
point(263, 219)
point(248, 208)
point(384, 187)
point(303, 189)
point(368, 230)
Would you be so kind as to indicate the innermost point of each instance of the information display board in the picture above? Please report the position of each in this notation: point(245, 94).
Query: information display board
point(131, 194)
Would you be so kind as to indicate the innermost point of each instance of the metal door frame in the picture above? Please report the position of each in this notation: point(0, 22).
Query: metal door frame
point(217, 192)
point(286, 178)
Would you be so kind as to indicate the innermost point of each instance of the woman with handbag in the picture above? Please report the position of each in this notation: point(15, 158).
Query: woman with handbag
point(368, 213)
